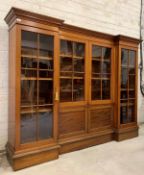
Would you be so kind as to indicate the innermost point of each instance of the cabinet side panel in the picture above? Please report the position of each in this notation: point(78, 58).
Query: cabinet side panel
point(12, 86)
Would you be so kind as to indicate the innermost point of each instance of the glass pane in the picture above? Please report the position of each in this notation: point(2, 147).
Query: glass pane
point(46, 46)
point(123, 114)
point(66, 74)
point(131, 70)
point(132, 58)
point(29, 43)
point(28, 127)
point(131, 94)
point(79, 49)
point(131, 102)
point(106, 53)
point(65, 90)
point(124, 78)
point(46, 74)
point(96, 52)
point(79, 65)
point(45, 125)
point(131, 82)
point(66, 48)
point(96, 89)
point(79, 74)
point(96, 66)
point(105, 89)
point(124, 94)
point(106, 76)
point(106, 67)
point(28, 73)
point(65, 64)
point(28, 92)
point(131, 113)
point(45, 92)
point(28, 62)
point(124, 57)
point(78, 89)
point(46, 64)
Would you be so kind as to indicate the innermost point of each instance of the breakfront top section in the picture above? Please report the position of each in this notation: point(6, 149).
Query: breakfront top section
point(19, 16)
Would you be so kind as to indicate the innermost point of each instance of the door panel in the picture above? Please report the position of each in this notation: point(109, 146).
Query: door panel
point(37, 84)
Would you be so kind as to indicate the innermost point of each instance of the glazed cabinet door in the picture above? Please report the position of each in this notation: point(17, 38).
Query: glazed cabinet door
point(128, 85)
point(72, 71)
point(37, 81)
point(101, 83)
point(72, 82)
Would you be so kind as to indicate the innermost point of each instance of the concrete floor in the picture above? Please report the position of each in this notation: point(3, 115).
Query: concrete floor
point(113, 158)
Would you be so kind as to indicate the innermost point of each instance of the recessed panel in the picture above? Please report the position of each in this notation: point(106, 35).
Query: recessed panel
point(100, 117)
point(71, 122)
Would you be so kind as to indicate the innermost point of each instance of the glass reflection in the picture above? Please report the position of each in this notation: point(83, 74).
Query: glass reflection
point(45, 92)
point(106, 67)
point(124, 57)
point(131, 82)
point(131, 94)
point(78, 90)
point(96, 89)
point(29, 43)
point(65, 90)
point(131, 113)
point(124, 95)
point(96, 66)
point(132, 58)
point(45, 125)
point(106, 53)
point(131, 70)
point(79, 65)
point(28, 127)
point(105, 89)
point(46, 45)
point(28, 62)
point(124, 78)
point(46, 74)
point(66, 48)
point(65, 64)
point(28, 73)
point(96, 52)
point(79, 49)
point(28, 92)
point(45, 64)
point(123, 114)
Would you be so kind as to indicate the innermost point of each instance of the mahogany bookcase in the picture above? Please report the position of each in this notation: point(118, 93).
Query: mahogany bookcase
point(69, 88)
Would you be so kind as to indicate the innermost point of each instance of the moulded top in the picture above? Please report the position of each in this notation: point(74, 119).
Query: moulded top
point(16, 13)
